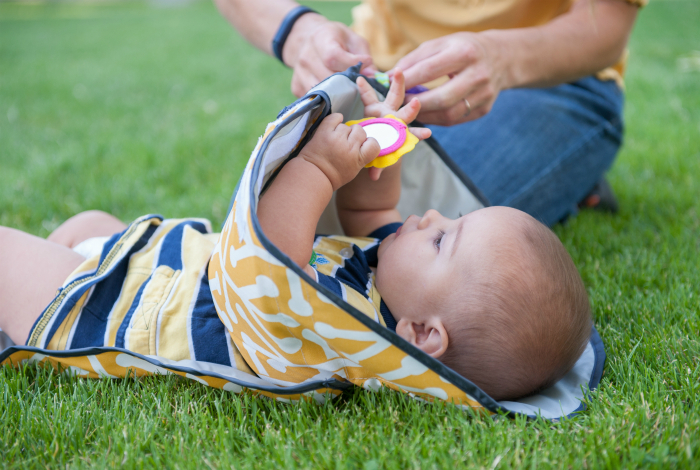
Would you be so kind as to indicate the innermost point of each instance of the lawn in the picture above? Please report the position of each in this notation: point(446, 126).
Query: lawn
point(135, 108)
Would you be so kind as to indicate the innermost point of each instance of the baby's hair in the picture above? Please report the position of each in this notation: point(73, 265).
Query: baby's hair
point(529, 317)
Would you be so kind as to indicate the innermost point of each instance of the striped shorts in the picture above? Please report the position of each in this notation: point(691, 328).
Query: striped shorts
point(147, 292)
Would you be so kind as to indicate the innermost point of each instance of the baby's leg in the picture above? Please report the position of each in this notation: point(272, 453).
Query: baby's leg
point(86, 225)
point(31, 270)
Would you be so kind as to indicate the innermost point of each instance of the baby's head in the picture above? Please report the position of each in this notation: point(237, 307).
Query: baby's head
point(494, 295)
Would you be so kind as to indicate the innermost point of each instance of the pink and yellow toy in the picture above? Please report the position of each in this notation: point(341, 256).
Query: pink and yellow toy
point(393, 136)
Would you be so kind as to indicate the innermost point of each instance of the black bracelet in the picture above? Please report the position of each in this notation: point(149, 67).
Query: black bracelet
point(285, 28)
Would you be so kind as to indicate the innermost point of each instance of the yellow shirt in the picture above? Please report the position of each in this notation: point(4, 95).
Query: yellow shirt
point(394, 28)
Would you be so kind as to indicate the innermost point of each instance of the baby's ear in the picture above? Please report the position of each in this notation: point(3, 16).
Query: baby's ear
point(429, 336)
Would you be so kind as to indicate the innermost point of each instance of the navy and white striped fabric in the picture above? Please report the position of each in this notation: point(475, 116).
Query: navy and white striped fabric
point(151, 297)
point(343, 265)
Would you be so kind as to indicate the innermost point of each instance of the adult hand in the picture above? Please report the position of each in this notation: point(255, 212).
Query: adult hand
point(317, 47)
point(469, 60)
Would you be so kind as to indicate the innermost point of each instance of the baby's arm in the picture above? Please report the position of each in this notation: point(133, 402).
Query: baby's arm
point(290, 209)
point(369, 202)
point(364, 204)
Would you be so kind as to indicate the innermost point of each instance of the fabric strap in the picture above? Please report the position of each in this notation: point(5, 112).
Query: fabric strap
point(285, 28)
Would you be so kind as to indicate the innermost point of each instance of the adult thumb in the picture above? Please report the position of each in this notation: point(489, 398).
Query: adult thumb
point(338, 59)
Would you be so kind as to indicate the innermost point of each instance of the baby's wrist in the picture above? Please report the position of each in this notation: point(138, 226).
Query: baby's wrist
point(324, 167)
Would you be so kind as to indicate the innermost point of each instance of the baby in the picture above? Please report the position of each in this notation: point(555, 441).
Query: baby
point(493, 294)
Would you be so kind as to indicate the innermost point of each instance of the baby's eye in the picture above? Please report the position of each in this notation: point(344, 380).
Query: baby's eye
point(438, 240)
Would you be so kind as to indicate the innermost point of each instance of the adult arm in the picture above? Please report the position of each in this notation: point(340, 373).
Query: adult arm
point(586, 39)
point(315, 48)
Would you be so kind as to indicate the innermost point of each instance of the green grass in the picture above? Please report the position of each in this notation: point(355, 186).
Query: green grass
point(135, 108)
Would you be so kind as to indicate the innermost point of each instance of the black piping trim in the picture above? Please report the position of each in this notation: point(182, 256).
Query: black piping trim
point(600, 357)
point(353, 73)
point(278, 390)
point(295, 152)
point(318, 97)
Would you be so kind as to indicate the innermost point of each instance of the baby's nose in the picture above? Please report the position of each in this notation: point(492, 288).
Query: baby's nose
point(427, 218)
point(412, 219)
point(430, 216)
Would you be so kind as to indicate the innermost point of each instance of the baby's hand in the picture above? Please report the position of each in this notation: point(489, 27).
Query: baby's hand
point(391, 105)
point(339, 151)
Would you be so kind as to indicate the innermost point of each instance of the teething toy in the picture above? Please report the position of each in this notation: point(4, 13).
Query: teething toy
point(393, 136)
point(383, 79)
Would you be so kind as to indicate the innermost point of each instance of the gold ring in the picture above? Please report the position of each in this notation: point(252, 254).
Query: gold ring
point(469, 108)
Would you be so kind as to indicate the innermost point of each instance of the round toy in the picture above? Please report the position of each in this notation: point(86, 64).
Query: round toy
point(393, 137)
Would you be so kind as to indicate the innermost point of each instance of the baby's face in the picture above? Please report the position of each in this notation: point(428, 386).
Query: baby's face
point(424, 264)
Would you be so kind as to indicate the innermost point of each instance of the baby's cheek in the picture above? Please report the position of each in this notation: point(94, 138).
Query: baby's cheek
point(383, 245)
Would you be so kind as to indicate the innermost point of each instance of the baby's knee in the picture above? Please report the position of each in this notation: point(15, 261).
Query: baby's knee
point(87, 224)
point(92, 217)
point(9, 236)
point(5, 234)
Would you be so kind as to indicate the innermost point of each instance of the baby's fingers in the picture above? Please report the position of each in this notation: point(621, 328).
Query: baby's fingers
point(367, 93)
point(421, 132)
point(397, 91)
point(369, 150)
point(375, 173)
point(409, 112)
point(332, 121)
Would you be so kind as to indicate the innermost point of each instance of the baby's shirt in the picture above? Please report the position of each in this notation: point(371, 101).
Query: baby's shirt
point(342, 264)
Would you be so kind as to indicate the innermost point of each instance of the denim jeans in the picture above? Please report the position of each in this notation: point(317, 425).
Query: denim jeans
point(540, 150)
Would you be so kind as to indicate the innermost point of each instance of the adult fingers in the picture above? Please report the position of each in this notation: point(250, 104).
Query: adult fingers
point(339, 47)
point(333, 58)
point(337, 59)
point(473, 83)
point(302, 81)
point(369, 70)
point(443, 97)
point(458, 113)
point(421, 53)
point(446, 57)
point(312, 67)
point(433, 67)
point(359, 46)
point(442, 118)
point(314, 70)
point(333, 49)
